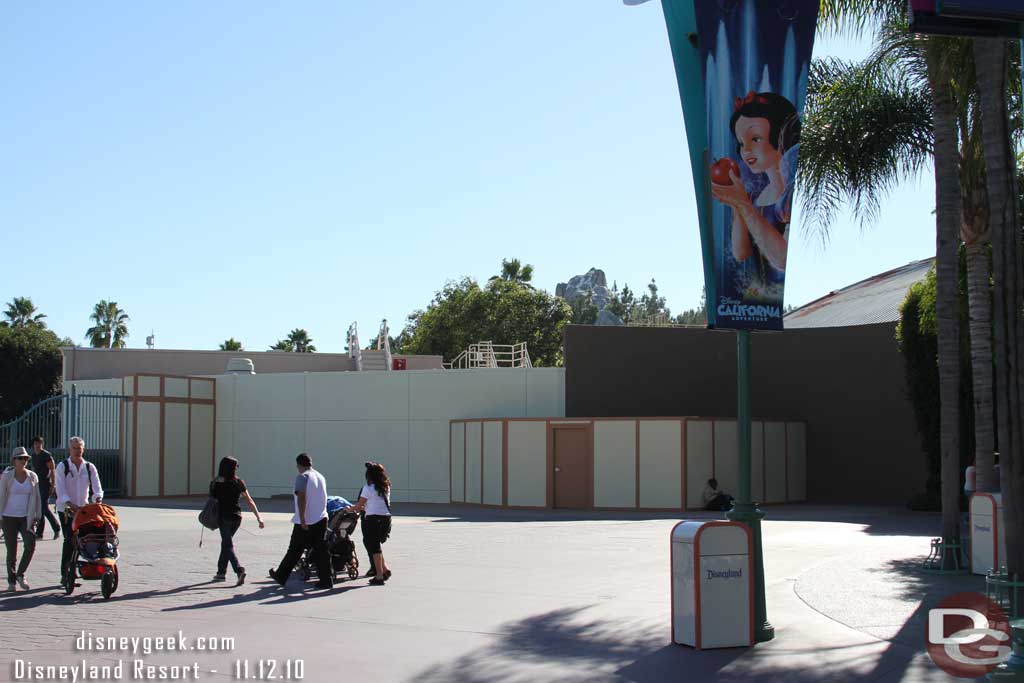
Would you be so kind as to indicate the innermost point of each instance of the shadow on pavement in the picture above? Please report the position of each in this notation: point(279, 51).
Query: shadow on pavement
point(596, 650)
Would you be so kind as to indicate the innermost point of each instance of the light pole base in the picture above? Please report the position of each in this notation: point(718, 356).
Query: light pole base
point(751, 515)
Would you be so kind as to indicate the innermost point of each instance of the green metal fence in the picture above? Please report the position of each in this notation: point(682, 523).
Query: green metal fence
point(94, 417)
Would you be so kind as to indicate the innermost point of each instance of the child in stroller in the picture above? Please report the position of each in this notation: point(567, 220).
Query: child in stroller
point(95, 556)
point(338, 536)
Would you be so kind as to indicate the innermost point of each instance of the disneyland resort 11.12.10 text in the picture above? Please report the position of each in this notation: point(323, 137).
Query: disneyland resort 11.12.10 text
point(132, 670)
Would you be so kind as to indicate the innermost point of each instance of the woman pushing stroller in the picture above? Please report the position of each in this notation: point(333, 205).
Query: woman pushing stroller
point(375, 501)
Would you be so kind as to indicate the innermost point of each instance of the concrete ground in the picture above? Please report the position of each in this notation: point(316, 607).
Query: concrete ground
point(484, 596)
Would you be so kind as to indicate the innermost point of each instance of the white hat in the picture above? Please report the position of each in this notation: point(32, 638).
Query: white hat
point(19, 452)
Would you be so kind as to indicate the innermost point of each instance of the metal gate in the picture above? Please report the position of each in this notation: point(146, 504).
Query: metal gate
point(94, 417)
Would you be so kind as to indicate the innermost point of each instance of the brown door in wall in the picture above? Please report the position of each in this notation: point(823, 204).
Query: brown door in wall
point(571, 475)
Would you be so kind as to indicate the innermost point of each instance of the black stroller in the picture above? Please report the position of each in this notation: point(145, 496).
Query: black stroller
point(340, 547)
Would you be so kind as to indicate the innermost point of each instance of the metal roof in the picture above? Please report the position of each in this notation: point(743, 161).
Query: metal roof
point(874, 300)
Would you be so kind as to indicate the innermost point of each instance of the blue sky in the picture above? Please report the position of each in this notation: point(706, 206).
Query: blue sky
point(242, 169)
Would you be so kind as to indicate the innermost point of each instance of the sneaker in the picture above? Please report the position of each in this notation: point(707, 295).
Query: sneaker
point(241, 577)
point(217, 578)
point(11, 587)
point(376, 582)
point(21, 582)
point(273, 575)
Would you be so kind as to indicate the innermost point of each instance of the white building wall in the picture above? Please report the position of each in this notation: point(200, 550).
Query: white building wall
point(343, 419)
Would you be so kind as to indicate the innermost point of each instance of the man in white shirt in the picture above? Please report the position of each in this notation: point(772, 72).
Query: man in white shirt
point(78, 484)
point(310, 520)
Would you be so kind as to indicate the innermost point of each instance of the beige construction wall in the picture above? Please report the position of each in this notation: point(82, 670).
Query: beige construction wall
point(168, 434)
point(643, 463)
point(527, 457)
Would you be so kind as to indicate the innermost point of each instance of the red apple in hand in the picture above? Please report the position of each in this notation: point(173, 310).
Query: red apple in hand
point(720, 171)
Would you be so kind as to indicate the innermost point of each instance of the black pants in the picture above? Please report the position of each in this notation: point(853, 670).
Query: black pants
point(228, 527)
point(376, 529)
point(69, 544)
point(719, 503)
point(44, 499)
point(312, 537)
point(13, 527)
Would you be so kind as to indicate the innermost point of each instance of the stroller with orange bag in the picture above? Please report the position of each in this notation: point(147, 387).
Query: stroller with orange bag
point(95, 556)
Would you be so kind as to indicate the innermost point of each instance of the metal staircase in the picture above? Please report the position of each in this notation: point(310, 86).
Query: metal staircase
point(487, 354)
point(370, 359)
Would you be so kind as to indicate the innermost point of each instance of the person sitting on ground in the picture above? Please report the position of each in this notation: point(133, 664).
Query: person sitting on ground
point(714, 499)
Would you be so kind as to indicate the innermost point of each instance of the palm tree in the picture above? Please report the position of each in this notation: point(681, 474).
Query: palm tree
point(863, 169)
point(1008, 282)
point(111, 329)
point(300, 341)
point(283, 345)
point(513, 271)
point(231, 345)
point(21, 312)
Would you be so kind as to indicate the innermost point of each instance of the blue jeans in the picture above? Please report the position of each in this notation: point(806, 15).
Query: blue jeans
point(228, 527)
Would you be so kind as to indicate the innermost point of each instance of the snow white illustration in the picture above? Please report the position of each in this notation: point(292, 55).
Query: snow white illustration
point(760, 193)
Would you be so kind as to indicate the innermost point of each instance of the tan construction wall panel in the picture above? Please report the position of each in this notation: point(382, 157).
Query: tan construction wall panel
point(473, 461)
point(699, 461)
point(175, 449)
point(527, 463)
point(201, 445)
point(774, 462)
point(492, 463)
point(727, 456)
point(176, 387)
point(615, 463)
point(458, 461)
point(148, 456)
point(149, 386)
point(660, 464)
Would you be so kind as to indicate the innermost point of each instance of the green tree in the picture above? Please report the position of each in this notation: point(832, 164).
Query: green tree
point(21, 312)
point(283, 345)
point(622, 304)
point(994, 82)
point(695, 316)
point(512, 270)
point(301, 341)
point(231, 345)
point(584, 312)
point(503, 312)
point(932, 65)
point(111, 328)
point(30, 368)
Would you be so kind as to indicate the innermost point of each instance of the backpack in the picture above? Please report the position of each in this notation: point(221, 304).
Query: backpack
point(209, 516)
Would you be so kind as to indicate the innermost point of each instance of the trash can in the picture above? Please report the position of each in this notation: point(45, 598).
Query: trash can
point(988, 538)
point(712, 584)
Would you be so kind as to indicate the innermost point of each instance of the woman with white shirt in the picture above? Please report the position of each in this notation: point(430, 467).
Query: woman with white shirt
point(20, 508)
point(375, 501)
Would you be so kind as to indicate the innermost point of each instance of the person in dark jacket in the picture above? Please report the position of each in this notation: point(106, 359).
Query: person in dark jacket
point(228, 488)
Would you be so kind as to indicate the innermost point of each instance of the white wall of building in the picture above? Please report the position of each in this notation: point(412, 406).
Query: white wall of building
point(400, 419)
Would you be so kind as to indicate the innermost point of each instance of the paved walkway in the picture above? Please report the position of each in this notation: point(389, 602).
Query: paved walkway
point(500, 597)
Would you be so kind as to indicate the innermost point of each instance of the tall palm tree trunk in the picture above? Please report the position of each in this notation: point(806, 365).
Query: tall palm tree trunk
point(1008, 279)
point(947, 243)
point(979, 306)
